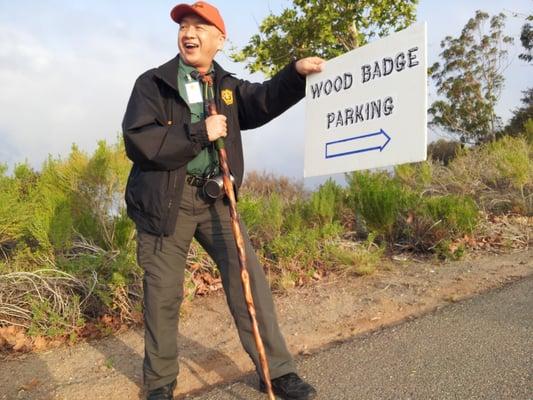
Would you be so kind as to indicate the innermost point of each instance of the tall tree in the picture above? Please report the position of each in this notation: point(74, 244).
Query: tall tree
point(526, 38)
point(323, 28)
point(521, 115)
point(470, 79)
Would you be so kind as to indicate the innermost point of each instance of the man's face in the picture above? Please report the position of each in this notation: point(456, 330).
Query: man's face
point(198, 42)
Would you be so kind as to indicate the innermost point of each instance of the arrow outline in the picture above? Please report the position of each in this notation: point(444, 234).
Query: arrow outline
point(380, 148)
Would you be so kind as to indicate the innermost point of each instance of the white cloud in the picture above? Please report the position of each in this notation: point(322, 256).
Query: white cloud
point(76, 92)
point(21, 53)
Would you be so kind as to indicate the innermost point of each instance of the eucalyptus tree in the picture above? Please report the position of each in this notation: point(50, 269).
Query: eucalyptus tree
point(470, 79)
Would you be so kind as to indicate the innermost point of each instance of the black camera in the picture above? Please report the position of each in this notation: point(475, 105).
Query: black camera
point(214, 186)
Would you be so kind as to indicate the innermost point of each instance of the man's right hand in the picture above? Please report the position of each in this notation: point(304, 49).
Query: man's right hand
point(216, 127)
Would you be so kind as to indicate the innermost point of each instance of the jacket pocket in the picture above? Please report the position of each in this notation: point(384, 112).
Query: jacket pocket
point(147, 192)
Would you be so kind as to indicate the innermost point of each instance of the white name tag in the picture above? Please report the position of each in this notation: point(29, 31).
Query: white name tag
point(194, 92)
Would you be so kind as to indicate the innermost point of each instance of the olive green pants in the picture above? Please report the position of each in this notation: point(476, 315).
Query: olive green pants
point(164, 264)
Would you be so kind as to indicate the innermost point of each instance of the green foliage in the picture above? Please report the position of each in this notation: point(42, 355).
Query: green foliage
point(521, 116)
point(417, 176)
point(327, 202)
point(471, 79)
point(295, 245)
point(288, 231)
point(79, 198)
point(124, 230)
point(381, 201)
point(528, 131)
point(47, 321)
point(99, 194)
point(262, 215)
point(454, 215)
point(295, 216)
point(12, 213)
point(513, 160)
point(283, 231)
point(68, 249)
point(70, 218)
point(398, 212)
point(322, 28)
point(526, 38)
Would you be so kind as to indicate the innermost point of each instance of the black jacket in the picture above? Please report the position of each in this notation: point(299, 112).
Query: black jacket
point(161, 140)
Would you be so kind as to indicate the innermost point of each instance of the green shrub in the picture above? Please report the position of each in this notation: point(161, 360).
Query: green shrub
point(513, 160)
point(296, 216)
point(263, 216)
point(415, 176)
point(48, 321)
point(381, 201)
point(528, 131)
point(457, 215)
point(13, 215)
point(326, 203)
point(300, 245)
point(401, 211)
point(124, 232)
point(69, 220)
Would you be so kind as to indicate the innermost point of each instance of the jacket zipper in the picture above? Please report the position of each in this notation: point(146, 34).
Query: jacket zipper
point(172, 194)
point(171, 200)
point(173, 190)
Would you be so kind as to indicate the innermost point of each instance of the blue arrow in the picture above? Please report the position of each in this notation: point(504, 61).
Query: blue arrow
point(358, 144)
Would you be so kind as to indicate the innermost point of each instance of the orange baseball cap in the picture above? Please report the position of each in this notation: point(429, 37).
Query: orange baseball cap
point(202, 9)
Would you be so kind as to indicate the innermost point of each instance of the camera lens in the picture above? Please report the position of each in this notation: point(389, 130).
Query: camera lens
point(214, 188)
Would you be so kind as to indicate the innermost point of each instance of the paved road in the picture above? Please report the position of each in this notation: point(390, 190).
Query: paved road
point(481, 348)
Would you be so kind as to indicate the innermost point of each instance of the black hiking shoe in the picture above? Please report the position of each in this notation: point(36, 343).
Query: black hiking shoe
point(163, 392)
point(290, 387)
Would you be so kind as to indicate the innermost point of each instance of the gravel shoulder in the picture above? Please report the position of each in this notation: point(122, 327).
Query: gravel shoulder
point(312, 318)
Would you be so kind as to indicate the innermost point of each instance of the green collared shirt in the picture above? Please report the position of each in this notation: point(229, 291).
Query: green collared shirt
point(206, 162)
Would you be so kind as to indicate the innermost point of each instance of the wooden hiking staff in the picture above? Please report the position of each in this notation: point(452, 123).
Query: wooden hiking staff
point(237, 234)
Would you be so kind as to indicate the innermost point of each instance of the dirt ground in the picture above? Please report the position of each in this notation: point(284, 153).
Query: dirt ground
point(330, 311)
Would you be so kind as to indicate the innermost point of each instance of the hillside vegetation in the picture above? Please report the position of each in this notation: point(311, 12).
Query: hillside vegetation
point(67, 248)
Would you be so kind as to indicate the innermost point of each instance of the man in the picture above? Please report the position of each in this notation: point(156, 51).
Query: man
point(170, 138)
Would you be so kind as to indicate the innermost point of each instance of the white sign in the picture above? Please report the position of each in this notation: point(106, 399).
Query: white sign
point(368, 108)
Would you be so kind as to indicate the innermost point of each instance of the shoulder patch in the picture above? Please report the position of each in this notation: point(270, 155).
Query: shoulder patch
point(227, 96)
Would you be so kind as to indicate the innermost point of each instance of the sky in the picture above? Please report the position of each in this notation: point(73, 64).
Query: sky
point(67, 68)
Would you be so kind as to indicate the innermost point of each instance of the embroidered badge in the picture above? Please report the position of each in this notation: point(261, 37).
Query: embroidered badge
point(227, 96)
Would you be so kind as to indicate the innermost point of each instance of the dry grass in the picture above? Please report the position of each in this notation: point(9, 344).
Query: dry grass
point(499, 176)
point(20, 290)
point(262, 184)
point(503, 233)
point(353, 258)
